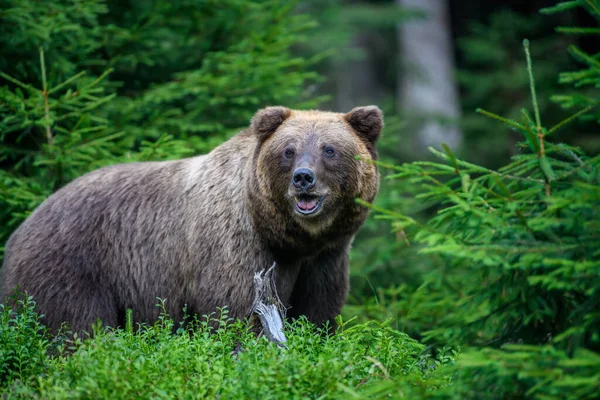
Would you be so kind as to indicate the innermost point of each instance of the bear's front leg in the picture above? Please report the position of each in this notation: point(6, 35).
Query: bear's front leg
point(321, 289)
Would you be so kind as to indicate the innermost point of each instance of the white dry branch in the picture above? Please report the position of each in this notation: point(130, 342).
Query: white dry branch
point(268, 307)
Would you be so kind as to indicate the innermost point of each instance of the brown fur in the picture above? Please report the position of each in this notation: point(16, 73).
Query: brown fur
point(194, 231)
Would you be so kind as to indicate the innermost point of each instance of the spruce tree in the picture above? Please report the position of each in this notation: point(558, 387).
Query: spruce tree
point(518, 286)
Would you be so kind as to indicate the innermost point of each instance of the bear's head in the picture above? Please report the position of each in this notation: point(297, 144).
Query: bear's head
point(306, 167)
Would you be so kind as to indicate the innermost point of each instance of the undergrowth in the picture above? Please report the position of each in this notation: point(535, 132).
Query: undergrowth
point(213, 357)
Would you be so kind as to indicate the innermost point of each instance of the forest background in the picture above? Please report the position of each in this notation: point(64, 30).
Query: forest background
point(487, 243)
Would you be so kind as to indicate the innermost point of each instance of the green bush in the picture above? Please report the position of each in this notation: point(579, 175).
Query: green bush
point(218, 358)
point(24, 342)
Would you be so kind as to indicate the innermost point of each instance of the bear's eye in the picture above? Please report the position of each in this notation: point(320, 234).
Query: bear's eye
point(329, 151)
point(288, 153)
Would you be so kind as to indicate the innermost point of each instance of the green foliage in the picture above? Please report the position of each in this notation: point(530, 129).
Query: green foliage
point(23, 342)
point(223, 61)
point(518, 283)
point(531, 371)
point(201, 361)
point(494, 75)
point(583, 79)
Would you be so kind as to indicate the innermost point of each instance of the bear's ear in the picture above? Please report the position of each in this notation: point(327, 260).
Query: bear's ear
point(367, 122)
point(267, 120)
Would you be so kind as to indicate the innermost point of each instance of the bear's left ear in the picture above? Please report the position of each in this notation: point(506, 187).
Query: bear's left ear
point(267, 120)
point(367, 122)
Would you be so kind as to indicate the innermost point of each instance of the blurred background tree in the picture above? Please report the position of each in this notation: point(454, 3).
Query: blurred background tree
point(427, 93)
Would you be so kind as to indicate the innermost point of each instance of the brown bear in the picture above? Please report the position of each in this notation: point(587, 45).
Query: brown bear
point(195, 231)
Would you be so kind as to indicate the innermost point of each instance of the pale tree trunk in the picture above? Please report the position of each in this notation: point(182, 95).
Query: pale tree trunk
point(356, 80)
point(427, 91)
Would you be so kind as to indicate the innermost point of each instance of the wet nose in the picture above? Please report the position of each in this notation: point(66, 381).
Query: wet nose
point(304, 178)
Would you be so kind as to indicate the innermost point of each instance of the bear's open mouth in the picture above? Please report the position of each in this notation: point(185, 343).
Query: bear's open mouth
point(308, 204)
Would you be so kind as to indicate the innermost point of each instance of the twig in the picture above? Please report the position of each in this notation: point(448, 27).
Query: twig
point(544, 164)
point(45, 96)
point(268, 307)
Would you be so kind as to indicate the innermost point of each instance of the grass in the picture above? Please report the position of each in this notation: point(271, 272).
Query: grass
point(164, 361)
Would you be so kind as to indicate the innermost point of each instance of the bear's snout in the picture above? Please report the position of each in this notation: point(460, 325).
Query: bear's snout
point(304, 179)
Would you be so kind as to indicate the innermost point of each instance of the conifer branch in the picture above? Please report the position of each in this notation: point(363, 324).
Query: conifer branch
point(593, 6)
point(45, 96)
point(536, 108)
point(507, 121)
point(479, 168)
point(575, 30)
point(569, 119)
point(577, 53)
point(544, 164)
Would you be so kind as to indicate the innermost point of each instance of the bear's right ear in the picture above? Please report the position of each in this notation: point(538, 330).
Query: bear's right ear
point(267, 120)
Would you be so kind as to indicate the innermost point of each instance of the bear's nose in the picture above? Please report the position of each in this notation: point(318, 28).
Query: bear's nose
point(304, 178)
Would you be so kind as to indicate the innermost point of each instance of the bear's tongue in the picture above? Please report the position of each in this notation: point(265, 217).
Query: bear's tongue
point(307, 203)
